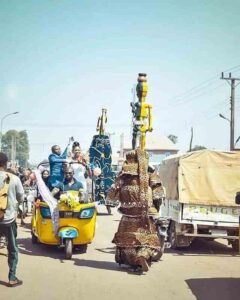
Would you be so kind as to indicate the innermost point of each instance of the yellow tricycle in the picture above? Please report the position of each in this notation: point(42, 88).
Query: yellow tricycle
point(67, 222)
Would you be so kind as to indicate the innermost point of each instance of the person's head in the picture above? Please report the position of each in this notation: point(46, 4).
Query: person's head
point(3, 160)
point(20, 170)
point(75, 144)
point(68, 174)
point(56, 149)
point(45, 174)
point(77, 152)
point(27, 172)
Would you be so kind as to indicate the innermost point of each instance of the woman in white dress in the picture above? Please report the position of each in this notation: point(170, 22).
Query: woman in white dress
point(79, 165)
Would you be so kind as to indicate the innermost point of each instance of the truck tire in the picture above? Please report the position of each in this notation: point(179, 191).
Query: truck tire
point(158, 253)
point(235, 245)
point(172, 236)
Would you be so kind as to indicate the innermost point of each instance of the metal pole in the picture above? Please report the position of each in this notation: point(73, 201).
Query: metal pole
point(232, 114)
point(232, 106)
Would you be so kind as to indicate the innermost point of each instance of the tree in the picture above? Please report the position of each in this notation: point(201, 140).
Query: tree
point(198, 147)
point(173, 138)
point(15, 144)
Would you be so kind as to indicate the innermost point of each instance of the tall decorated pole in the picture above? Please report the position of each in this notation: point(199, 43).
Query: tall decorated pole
point(100, 153)
point(137, 240)
point(142, 114)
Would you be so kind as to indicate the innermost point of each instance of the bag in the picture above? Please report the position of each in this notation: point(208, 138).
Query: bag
point(3, 196)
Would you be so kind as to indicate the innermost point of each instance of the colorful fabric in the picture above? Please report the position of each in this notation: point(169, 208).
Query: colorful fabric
point(101, 156)
point(136, 237)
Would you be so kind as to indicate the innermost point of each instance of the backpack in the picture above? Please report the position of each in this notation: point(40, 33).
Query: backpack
point(3, 196)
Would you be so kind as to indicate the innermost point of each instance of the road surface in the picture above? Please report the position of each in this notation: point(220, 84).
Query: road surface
point(206, 270)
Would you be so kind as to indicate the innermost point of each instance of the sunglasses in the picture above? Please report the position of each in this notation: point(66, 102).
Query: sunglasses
point(68, 173)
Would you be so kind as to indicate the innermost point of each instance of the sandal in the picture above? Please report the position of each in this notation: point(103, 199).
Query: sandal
point(16, 282)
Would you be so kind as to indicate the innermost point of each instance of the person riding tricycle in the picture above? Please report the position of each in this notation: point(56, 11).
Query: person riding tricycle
point(64, 216)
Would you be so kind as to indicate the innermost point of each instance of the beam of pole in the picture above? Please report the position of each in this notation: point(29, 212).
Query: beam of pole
point(232, 107)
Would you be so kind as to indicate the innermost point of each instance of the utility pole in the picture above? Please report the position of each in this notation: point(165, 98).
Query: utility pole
point(232, 106)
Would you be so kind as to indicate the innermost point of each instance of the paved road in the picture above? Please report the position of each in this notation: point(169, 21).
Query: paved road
point(207, 270)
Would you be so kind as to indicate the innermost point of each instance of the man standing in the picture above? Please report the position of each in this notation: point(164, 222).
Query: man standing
point(8, 225)
point(56, 160)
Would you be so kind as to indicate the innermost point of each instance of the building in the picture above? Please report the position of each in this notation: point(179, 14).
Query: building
point(158, 147)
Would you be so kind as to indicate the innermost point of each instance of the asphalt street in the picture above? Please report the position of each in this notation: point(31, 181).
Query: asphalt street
point(207, 270)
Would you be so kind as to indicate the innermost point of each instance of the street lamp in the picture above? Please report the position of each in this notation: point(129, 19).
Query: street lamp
point(223, 117)
point(237, 140)
point(231, 137)
point(4, 117)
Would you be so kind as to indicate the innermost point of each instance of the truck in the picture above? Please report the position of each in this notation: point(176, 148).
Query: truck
point(200, 196)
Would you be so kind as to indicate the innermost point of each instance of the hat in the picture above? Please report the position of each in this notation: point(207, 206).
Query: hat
point(130, 166)
point(131, 156)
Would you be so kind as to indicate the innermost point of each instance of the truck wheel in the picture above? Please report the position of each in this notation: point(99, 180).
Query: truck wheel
point(68, 248)
point(158, 253)
point(172, 236)
point(235, 245)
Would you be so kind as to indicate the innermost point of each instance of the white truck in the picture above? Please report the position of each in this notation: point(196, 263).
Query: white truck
point(200, 196)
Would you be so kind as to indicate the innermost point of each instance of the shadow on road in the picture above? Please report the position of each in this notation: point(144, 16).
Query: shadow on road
point(203, 247)
point(108, 250)
point(26, 247)
point(215, 288)
point(105, 265)
point(3, 283)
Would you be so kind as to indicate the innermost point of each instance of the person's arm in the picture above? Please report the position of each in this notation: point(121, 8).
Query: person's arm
point(67, 152)
point(56, 159)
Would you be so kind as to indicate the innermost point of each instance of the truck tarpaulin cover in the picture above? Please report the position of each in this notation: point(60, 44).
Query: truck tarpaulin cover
point(202, 177)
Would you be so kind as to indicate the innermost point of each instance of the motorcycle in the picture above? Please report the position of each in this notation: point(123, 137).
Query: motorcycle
point(26, 207)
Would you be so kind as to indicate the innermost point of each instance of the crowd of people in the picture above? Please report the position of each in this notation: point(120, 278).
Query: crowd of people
point(67, 171)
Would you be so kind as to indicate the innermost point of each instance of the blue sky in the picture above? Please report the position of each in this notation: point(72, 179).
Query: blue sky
point(62, 61)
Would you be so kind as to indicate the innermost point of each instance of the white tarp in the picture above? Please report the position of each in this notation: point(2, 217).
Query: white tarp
point(49, 199)
point(202, 177)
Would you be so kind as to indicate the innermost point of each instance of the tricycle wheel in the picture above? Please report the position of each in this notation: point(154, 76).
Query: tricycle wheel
point(81, 248)
point(34, 239)
point(68, 248)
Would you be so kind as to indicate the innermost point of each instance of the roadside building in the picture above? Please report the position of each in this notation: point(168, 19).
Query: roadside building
point(158, 147)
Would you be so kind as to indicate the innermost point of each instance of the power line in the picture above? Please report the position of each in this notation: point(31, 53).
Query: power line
point(200, 86)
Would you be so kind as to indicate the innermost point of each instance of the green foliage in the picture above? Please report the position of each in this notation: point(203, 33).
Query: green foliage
point(173, 138)
point(15, 144)
point(198, 147)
